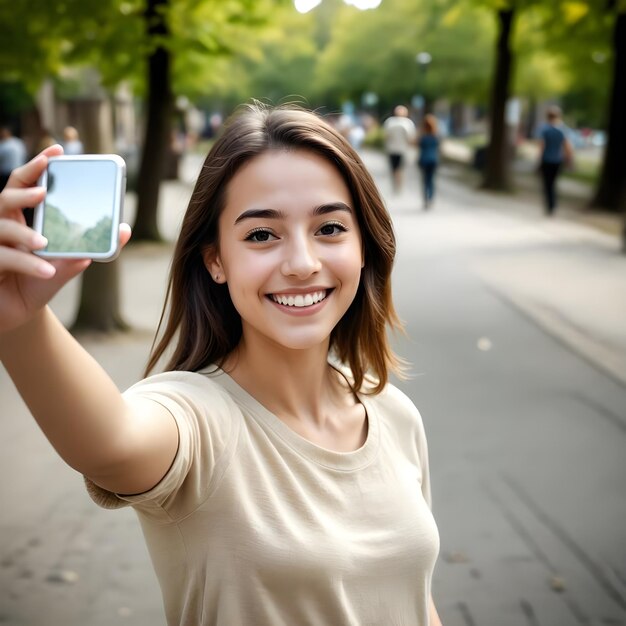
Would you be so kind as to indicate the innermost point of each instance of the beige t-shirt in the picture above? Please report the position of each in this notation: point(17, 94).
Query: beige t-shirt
point(255, 525)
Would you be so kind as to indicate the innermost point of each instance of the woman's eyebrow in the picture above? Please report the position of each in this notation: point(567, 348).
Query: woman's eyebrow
point(263, 213)
point(331, 207)
point(273, 214)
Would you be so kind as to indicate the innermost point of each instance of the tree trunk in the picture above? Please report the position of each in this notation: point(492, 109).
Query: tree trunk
point(531, 119)
point(99, 307)
point(157, 132)
point(497, 168)
point(611, 191)
point(99, 300)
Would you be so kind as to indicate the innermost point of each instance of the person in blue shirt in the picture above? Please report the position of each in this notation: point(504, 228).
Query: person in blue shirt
point(428, 157)
point(556, 150)
point(12, 154)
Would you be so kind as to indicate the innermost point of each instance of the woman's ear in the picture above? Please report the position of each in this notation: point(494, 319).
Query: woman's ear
point(213, 264)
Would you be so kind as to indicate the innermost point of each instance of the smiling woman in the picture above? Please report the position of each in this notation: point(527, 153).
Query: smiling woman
point(278, 477)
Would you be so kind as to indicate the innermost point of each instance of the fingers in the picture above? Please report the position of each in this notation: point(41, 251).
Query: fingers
point(13, 199)
point(20, 262)
point(54, 150)
point(18, 235)
point(28, 174)
point(17, 241)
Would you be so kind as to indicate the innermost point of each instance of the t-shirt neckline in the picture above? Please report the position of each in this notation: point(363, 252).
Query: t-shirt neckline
point(344, 461)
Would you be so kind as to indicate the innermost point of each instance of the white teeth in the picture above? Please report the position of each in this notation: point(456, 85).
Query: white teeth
point(300, 300)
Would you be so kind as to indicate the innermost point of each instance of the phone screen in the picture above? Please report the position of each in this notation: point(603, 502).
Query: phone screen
point(81, 211)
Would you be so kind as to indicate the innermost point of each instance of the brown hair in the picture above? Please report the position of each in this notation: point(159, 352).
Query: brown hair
point(201, 312)
point(429, 124)
point(553, 113)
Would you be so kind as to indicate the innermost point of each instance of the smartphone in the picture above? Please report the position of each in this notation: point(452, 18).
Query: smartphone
point(80, 215)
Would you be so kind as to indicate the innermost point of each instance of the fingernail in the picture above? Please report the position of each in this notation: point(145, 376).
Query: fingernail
point(46, 270)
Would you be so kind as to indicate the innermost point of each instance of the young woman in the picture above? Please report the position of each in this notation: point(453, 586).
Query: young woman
point(428, 157)
point(278, 477)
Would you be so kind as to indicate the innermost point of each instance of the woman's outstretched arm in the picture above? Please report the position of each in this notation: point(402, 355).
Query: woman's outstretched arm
point(122, 447)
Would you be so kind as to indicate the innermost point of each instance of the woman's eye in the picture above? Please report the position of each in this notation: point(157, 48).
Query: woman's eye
point(260, 236)
point(332, 228)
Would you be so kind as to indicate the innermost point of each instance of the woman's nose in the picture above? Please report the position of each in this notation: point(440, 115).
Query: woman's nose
point(301, 259)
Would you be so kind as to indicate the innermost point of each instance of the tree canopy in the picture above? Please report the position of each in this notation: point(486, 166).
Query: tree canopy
point(227, 52)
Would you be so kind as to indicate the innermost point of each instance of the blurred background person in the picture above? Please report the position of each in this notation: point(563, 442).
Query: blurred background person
point(428, 157)
point(45, 139)
point(356, 135)
point(12, 154)
point(556, 150)
point(399, 133)
point(71, 141)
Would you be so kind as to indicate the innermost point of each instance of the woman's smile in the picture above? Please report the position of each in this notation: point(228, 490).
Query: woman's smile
point(306, 303)
point(300, 299)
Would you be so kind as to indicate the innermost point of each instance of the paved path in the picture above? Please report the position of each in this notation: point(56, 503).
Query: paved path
point(517, 345)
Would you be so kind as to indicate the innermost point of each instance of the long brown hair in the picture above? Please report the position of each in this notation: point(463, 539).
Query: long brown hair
point(429, 124)
point(203, 326)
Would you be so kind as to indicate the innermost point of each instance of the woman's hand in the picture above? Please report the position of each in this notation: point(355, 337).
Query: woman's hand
point(28, 282)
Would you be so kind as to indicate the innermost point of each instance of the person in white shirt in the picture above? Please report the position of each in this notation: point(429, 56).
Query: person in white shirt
point(400, 133)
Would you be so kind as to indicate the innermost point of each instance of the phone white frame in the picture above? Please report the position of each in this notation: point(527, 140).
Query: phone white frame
point(118, 205)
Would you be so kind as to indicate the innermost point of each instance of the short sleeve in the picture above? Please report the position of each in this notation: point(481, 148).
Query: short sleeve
point(206, 421)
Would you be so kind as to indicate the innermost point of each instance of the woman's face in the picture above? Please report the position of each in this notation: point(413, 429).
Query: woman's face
point(290, 249)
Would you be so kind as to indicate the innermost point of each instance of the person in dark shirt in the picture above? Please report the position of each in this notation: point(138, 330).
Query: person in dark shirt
point(556, 150)
point(428, 157)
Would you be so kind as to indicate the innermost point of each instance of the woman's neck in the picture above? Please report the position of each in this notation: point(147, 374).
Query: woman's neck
point(295, 385)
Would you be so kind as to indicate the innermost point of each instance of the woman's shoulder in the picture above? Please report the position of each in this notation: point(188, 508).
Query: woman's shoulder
point(179, 380)
point(397, 404)
point(401, 420)
point(191, 393)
